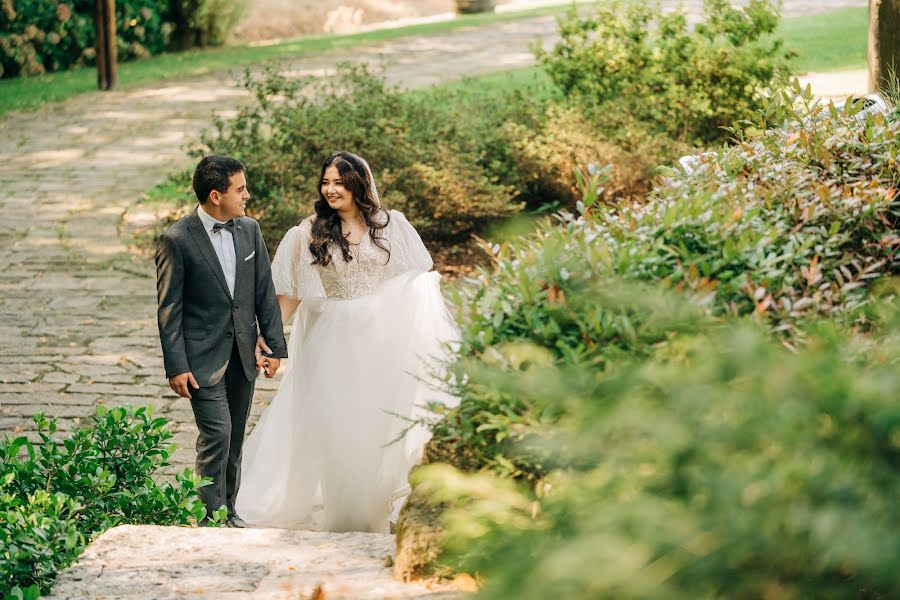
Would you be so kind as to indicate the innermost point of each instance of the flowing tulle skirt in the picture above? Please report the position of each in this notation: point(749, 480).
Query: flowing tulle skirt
point(330, 453)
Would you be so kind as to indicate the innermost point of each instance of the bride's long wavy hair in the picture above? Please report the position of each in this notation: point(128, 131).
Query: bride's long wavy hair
point(326, 227)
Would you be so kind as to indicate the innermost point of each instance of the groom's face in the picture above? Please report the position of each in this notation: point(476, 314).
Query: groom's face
point(233, 203)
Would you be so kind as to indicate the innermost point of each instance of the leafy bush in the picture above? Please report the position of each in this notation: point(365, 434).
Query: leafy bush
point(722, 465)
point(40, 36)
point(49, 35)
point(538, 155)
point(205, 22)
point(530, 137)
point(31, 592)
point(56, 496)
point(789, 225)
point(422, 162)
point(454, 160)
point(39, 535)
point(689, 83)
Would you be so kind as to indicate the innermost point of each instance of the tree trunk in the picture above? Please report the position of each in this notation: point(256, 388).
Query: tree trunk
point(475, 6)
point(884, 43)
point(185, 36)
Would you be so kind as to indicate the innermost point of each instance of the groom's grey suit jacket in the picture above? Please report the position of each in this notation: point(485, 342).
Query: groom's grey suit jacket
point(199, 320)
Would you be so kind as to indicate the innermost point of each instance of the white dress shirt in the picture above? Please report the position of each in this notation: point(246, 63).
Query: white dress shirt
point(223, 244)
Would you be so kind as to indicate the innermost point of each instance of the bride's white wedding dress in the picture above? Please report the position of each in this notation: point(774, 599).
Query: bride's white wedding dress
point(364, 348)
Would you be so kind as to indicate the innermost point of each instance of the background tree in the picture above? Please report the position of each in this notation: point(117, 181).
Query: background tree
point(884, 42)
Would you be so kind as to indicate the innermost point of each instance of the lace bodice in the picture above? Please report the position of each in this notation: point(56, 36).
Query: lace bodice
point(295, 275)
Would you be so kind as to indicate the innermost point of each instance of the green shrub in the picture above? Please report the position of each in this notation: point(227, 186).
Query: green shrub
point(205, 22)
point(628, 57)
point(57, 495)
point(454, 160)
point(32, 592)
point(530, 137)
point(722, 465)
point(40, 36)
point(421, 159)
point(619, 404)
point(540, 155)
point(39, 535)
point(790, 223)
point(526, 321)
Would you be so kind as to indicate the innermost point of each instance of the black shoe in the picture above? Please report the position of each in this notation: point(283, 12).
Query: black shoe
point(236, 522)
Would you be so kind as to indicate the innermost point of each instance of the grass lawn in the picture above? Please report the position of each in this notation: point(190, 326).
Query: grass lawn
point(499, 83)
point(832, 41)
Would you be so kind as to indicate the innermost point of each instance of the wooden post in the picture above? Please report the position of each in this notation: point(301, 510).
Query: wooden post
point(100, 30)
point(107, 53)
point(884, 42)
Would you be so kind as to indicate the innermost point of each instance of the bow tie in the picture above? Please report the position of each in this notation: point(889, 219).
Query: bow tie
point(226, 225)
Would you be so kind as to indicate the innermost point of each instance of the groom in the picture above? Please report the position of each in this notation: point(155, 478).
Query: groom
point(214, 286)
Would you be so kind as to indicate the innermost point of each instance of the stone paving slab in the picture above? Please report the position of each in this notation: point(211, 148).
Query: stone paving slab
point(180, 563)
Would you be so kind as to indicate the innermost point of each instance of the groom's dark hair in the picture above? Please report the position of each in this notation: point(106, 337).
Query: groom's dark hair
point(214, 173)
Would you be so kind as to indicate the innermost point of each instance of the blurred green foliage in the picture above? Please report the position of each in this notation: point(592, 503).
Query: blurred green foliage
point(722, 465)
point(694, 396)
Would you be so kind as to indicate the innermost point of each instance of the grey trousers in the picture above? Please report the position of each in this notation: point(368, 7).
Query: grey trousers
point(221, 412)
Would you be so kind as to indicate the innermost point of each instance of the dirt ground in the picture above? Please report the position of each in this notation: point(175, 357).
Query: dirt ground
point(270, 19)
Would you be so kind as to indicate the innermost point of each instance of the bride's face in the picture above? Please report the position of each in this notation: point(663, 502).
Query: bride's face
point(339, 198)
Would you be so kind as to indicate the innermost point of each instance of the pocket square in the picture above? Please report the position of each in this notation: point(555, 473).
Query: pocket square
point(252, 254)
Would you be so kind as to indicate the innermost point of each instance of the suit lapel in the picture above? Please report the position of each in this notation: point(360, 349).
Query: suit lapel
point(201, 238)
point(243, 246)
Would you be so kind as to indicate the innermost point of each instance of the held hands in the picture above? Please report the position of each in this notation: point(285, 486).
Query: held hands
point(268, 364)
point(182, 384)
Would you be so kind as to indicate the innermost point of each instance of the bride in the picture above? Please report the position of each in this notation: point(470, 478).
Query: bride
point(330, 453)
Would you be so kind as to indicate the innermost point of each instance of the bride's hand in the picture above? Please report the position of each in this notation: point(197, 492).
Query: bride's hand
point(270, 366)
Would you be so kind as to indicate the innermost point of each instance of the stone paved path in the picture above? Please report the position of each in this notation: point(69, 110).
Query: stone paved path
point(77, 311)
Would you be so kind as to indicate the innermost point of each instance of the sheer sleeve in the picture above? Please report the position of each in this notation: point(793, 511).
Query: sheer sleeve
point(408, 253)
point(292, 270)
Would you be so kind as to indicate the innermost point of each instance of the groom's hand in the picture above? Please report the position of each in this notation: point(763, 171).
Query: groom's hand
point(181, 384)
point(261, 347)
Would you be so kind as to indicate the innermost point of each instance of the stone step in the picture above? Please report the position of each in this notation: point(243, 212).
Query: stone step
point(149, 562)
